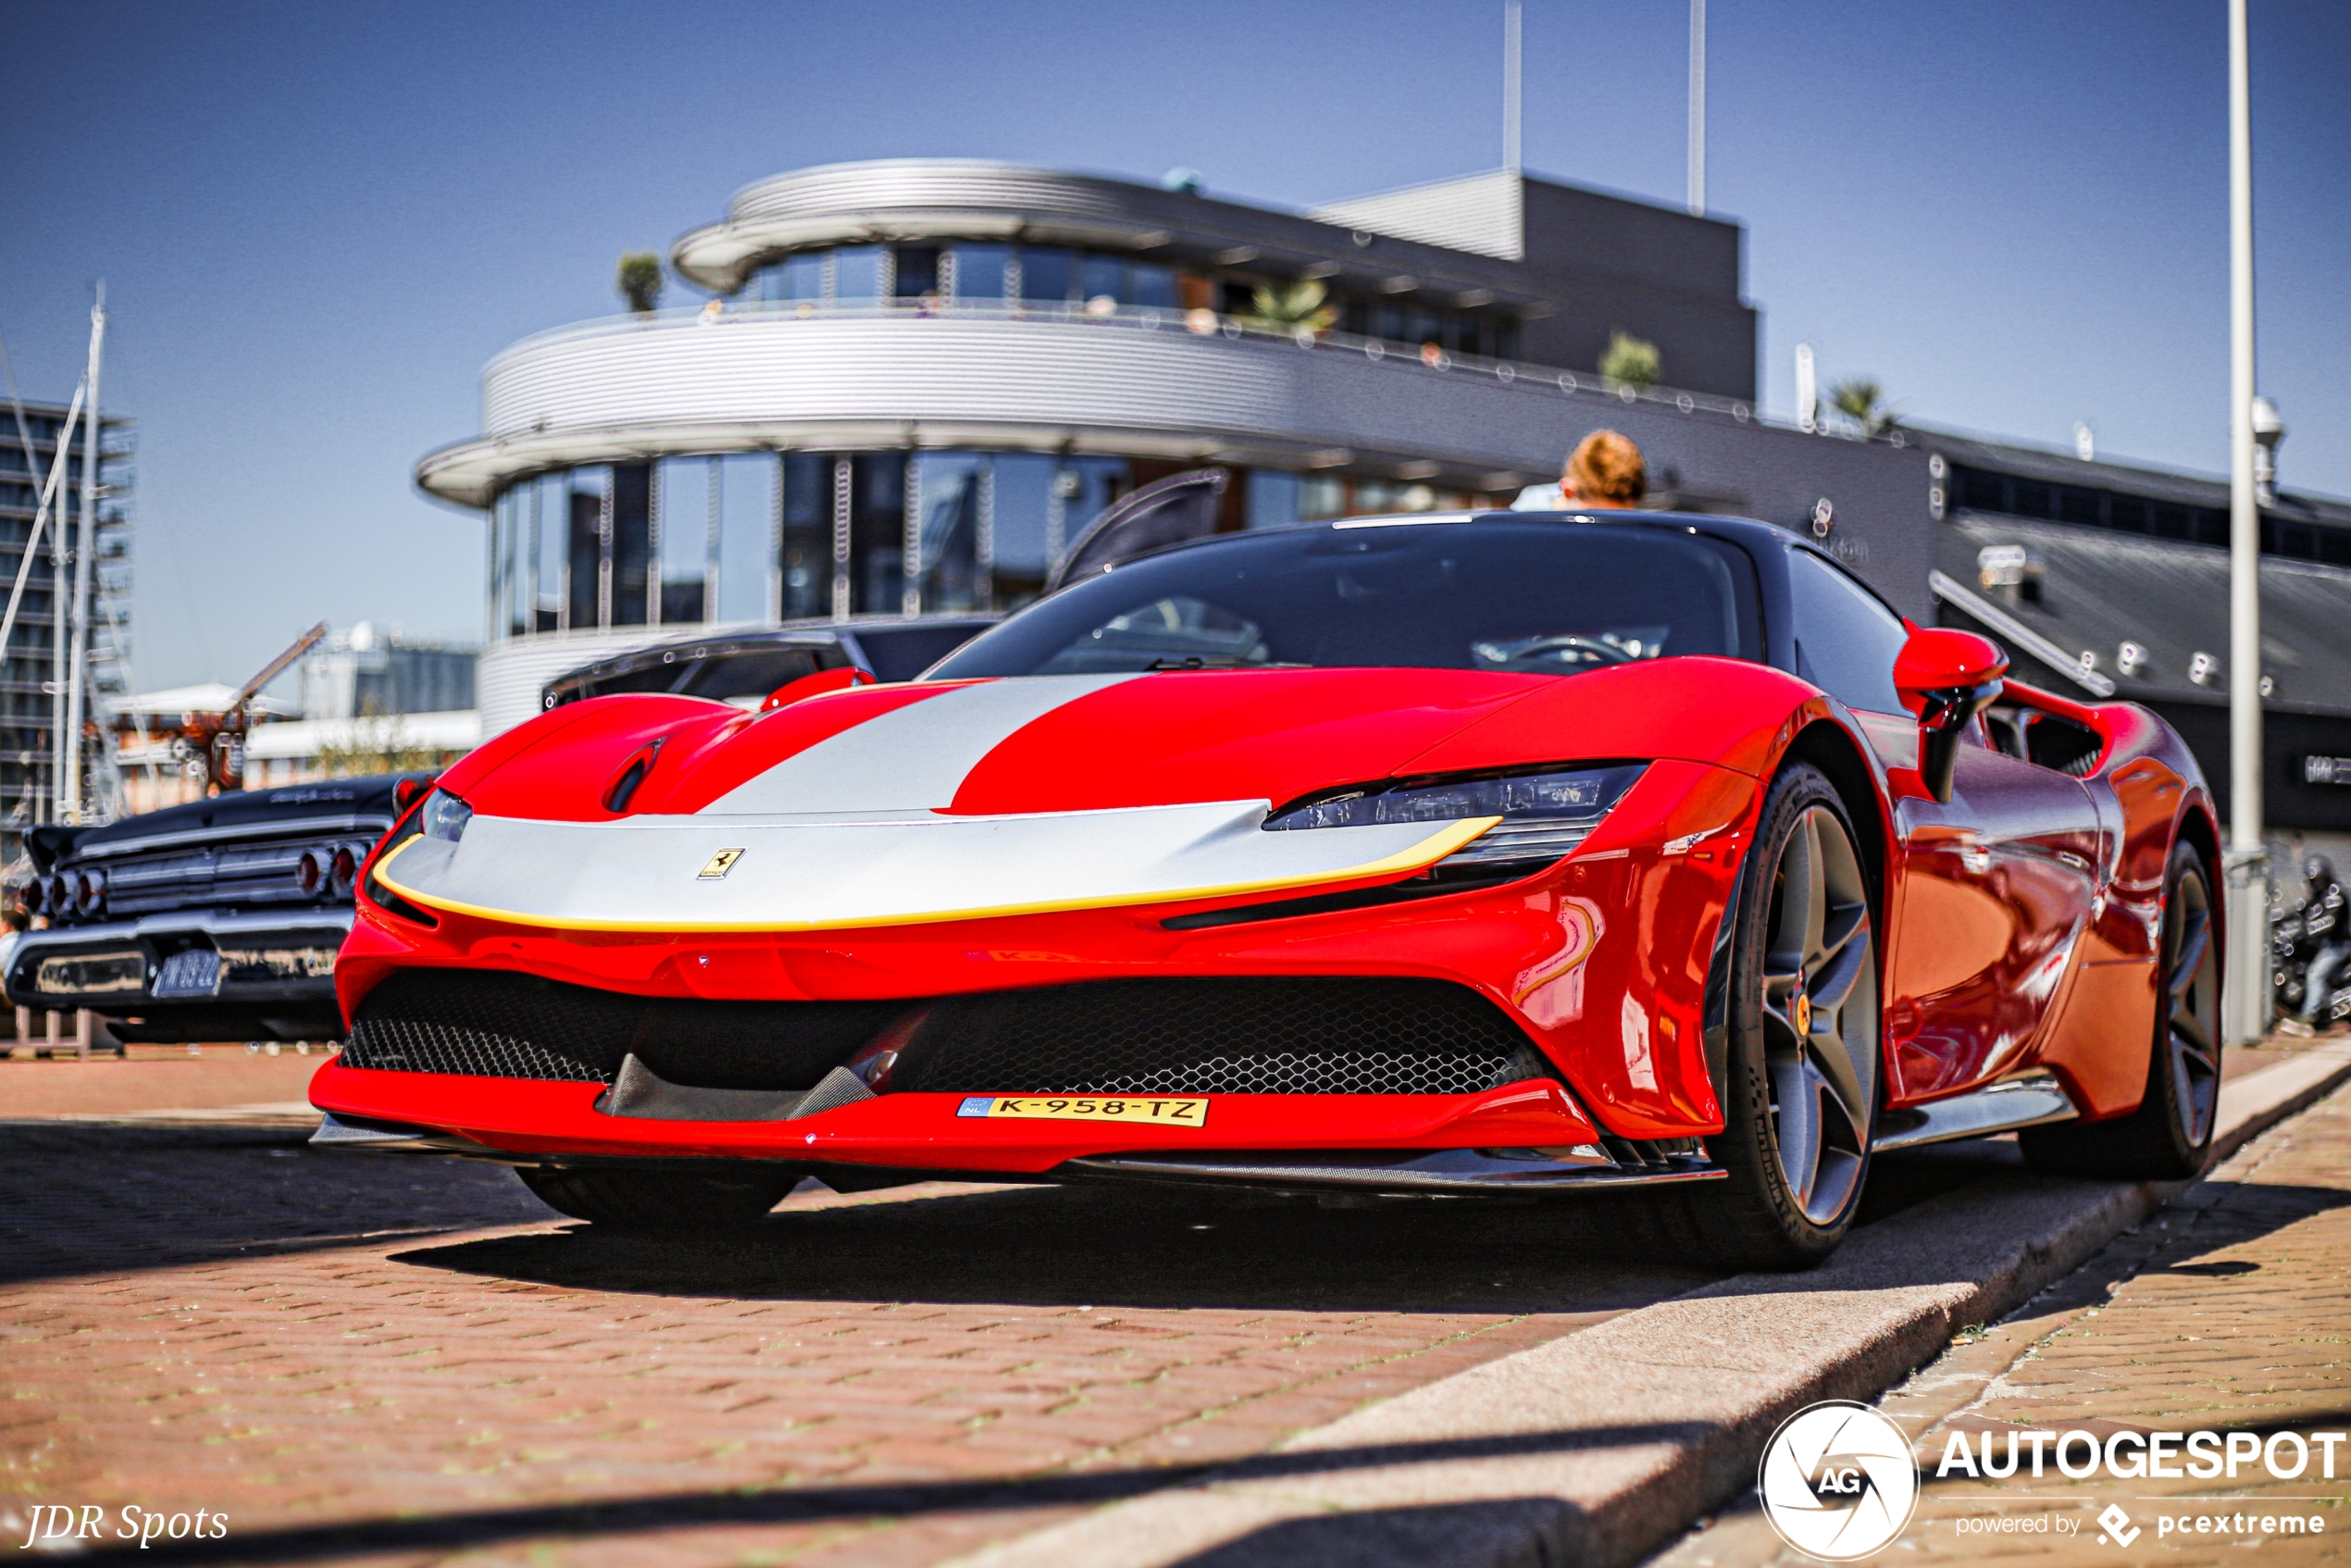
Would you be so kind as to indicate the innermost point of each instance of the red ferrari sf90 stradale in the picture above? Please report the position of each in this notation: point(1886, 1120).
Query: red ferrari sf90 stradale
point(1445, 854)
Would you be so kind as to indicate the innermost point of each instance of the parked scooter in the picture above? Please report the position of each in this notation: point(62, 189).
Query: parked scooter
point(2310, 951)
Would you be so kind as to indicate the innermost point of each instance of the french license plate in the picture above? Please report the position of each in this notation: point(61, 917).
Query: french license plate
point(1157, 1109)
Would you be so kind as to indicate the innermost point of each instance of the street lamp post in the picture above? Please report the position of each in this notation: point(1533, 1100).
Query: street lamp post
point(2246, 1002)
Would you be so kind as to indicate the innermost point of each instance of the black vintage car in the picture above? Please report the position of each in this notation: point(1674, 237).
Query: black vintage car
point(744, 666)
point(217, 920)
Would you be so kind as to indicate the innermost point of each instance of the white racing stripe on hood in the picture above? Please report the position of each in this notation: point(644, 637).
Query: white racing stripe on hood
point(913, 758)
point(640, 873)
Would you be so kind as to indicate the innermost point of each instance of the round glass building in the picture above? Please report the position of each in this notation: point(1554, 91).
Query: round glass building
point(917, 381)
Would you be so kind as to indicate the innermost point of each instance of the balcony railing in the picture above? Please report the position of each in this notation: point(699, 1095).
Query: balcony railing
point(1099, 316)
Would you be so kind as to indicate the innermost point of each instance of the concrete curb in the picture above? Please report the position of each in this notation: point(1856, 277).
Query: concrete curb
point(1601, 1447)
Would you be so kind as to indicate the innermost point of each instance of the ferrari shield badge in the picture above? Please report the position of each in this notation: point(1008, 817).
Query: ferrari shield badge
point(720, 865)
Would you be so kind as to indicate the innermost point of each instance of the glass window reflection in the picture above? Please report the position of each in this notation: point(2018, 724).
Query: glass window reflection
point(1149, 286)
point(915, 271)
point(805, 548)
point(1046, 274)
point(978, 273)
point(1101, 278)
point(857, 273)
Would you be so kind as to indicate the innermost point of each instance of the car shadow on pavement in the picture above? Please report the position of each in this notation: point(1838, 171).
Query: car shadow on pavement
point(79, 1198)
point(1134, 1247)
point(1073, 1245)
point(447, 1533)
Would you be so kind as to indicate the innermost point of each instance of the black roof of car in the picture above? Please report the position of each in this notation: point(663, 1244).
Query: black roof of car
point(869, 641)
point(290, 803)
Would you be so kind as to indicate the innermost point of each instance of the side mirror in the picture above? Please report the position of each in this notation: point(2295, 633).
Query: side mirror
point(1947, 678)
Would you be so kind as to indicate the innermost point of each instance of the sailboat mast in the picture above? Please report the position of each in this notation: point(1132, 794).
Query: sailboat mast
point(85, 547)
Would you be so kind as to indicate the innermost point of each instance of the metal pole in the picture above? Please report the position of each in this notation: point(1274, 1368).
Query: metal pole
point(65, 710)
point(1698, 108)
point(84, 551)
point(1510, 92)
point(2246, 1004)
point(85, 548)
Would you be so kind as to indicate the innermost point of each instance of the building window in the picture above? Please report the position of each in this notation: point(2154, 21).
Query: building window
point(686, 525)
point(1046, 275)
point(916, 272)
point(1102, 277)
point(588, 563)
point(1149, 286)
point(977, 273)
point(1273, 498)
point(629, 602)
point(805, 545)
point(2084, 507)
point(953, 508)
point(857, 274)
point(1322, 496)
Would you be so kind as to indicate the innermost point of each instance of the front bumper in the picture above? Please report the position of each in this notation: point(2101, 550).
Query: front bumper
point(190, 973)
point(1504, 1142)
point(529, 1121)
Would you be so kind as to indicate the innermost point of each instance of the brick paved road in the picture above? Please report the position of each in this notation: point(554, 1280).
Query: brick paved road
point(208, 1319)
point(2231, 1311)
point(380, 1360)
point(154, 1076)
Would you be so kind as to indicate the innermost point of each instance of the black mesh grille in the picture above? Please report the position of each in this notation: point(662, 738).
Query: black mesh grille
point(518, 1026)
point(1208, 1036)
point(1318, 1036)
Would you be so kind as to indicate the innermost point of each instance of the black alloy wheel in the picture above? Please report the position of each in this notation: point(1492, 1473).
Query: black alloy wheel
point(1800, 1102)
point(2168, 1137)
point(660, 1201)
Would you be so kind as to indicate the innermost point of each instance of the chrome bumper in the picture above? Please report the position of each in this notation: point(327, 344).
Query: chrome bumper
point(134, 981)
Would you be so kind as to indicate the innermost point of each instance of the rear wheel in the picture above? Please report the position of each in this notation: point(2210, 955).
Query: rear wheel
point(2168, 1137)
point(1802, 1094)
point(659, 1201)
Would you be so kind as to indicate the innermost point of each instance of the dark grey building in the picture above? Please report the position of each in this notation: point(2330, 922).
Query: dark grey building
point(2107, 579)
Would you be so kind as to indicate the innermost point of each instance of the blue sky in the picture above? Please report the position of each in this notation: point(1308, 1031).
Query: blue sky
point(317, 221)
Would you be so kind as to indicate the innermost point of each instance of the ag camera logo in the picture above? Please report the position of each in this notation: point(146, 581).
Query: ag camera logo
point(1837, 1481)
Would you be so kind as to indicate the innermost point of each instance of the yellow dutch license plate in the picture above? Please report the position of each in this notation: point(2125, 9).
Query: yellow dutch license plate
point(1159, 1109)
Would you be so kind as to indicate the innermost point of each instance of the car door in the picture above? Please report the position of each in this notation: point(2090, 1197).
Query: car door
point(1990, 890)
point(1998, 885)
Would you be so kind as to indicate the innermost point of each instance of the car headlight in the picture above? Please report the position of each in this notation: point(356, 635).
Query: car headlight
point(1544, 814)
point(444, 816)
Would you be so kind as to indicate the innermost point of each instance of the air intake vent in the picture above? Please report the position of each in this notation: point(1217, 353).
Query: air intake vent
point(1279, 1035)
point(1212, 1036)
point(489, 1025)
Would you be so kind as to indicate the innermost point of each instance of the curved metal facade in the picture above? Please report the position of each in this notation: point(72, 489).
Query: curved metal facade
point(925, 198)
point(633, 390)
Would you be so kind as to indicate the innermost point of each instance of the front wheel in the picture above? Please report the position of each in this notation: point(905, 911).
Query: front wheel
point(1800, 1100)
point(2168, 1137)
point(659, 1201)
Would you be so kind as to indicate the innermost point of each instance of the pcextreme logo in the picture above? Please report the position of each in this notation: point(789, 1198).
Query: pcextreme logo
point(1837, 1481)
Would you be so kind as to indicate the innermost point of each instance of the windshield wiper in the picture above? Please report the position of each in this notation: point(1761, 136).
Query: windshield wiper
point(1216, 661)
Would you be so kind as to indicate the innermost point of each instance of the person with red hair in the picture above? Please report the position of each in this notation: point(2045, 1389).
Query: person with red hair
point(1605, 473)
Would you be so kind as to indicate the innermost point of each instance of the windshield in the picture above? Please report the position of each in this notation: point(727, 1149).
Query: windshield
point(1539, 597)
